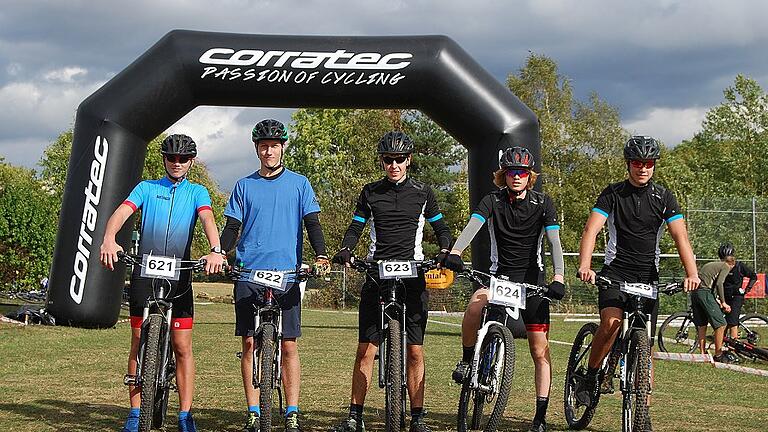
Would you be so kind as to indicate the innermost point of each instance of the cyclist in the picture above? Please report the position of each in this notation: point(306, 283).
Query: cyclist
point(518, 219)
point(734, 288)
point(635, 210)
point(707, 308)
point(270, 206)
point(169, 208)
point(399, 205)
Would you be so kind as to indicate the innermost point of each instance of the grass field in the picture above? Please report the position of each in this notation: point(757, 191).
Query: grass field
point(68, 379)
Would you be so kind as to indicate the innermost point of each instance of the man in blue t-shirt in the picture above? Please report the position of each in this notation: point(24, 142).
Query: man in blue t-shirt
point(169, 207)
point(270, 206)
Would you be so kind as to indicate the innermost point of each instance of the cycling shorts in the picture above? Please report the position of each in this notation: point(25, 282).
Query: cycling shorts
point(705, 309)
point(735, 302)
point(536, 312)
point(248, 295)
point(416, 309)
point(142, 289)
point(612, 297)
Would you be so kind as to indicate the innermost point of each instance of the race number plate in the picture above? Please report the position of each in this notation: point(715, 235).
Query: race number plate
point(506, 293)
point(269, 278)
point(157, 266)
point(641, 289)
point(397, 269)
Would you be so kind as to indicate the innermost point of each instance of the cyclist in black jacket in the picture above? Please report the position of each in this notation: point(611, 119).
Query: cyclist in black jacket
point(734, 288)
point(397, 208)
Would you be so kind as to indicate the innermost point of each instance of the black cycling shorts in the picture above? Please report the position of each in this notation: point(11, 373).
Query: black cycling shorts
point(614, 298)
point(536, 312)
point(248, 294)
point(180, 292)
point(416, 309)
point(735, 302)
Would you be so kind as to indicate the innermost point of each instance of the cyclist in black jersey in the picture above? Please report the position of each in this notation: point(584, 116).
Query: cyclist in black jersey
point(518, 219)
point(635, 210)
point(734, 288)
point(397, 208)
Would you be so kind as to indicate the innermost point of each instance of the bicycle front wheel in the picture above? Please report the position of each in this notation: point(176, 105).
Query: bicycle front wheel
point(576, 415)
point(495, 371)
point(161, 396)
point(150, 367)
point(266, 358)
point(677, 334)
point(393, 376)
point(635, 413)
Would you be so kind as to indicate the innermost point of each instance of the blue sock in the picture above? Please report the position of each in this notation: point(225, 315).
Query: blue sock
point(255, 409)
point(291, 408)
point(134, 412)
point(183, 415)
point(132, 422)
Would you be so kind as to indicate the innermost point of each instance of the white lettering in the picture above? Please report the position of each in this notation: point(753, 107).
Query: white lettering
point(339, 59)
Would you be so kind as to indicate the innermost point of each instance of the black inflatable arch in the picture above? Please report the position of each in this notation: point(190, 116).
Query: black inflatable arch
point(186, 69)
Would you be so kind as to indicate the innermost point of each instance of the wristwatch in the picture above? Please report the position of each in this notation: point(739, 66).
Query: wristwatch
point(217, 249)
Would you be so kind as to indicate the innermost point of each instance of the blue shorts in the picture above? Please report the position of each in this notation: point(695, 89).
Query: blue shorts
point(248, 294)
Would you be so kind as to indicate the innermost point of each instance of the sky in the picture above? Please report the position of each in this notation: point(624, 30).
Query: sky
point(661, 63)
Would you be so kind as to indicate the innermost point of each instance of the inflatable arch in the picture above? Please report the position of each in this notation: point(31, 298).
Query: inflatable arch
point(186, 69)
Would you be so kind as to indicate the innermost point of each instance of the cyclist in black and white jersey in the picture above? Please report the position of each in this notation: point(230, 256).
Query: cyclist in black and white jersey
point(518, 220)
point(734, 287)
point(396, 207)
point(635, 211)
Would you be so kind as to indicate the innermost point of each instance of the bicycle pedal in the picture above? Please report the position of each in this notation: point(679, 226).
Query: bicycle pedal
point(239, 354)
point(130, 380)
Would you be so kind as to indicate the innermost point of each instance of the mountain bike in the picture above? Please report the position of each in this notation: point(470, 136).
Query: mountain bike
point(156, 366)
point(489, 382)
point(392, 345)
point(631, 351)
point(268, 334)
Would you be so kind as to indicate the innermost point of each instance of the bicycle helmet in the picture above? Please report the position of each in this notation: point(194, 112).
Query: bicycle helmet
point(641, 147)
point(725, 250)
point(395, 142)
point(178, 144)
point(269, 129)
point(516, 157)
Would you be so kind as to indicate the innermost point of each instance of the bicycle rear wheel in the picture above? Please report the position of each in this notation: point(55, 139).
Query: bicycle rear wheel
point(150, 367)
point(576, 415)
point(635, 413)
point(754, 329)
point(266, 359)
point(393, 363)
point(677, 334)
point(495, 372)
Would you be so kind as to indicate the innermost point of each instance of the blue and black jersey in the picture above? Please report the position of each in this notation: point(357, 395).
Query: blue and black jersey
point(397, 214)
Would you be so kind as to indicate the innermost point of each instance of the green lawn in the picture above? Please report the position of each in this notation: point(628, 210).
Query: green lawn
point(67, 379)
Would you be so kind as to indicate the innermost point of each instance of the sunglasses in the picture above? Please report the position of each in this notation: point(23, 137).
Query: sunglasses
point(639, 164)
point(179, 159)
point(389, 160)
point(522, 173)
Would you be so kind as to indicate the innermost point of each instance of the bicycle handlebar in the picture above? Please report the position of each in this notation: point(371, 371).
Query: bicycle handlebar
point(671, 288)
point(365, 265)
point(130, 259)
point(302, 274)
point(479, 277)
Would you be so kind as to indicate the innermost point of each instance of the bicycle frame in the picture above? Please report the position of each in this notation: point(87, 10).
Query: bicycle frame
point(165, 306)
point(481, 333)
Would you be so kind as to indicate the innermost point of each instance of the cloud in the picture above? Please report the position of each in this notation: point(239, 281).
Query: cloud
point(670, 125)
point(66, 75)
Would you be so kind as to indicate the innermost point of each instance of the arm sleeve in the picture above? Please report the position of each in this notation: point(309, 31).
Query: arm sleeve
point(136, 197)
point(229, 234)
point(359, 218)
point(468, 233)
point(604, 203)
point(672, 211)
point(558, 263)
point(202, 199)
point(315, 234)
point(435, 218)
point(720, 281)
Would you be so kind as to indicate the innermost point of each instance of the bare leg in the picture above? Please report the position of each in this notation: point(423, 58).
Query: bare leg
point(472, 317)
point(363, 369)
point(538, 344)
point(134, 392)
point(416, 374)
point(291, 371)
point(610, 323)
point(185, 367)
point(246, 370)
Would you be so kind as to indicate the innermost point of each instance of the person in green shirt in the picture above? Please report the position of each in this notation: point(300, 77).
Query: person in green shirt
point(709, 309)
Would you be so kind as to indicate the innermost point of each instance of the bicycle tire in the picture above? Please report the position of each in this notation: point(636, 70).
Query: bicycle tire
point(161, 397)
point(635, 412)
point(576, 371)
point(501, 343)
point(758, 325)
point(675, 334)
point(266, 358)
point(393, 377)
point(150, 365)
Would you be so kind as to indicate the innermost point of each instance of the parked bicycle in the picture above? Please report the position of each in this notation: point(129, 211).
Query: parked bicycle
point(631, 351)
point(392, 346)
point(489, 382)
point(156, 369)
point(268, 335)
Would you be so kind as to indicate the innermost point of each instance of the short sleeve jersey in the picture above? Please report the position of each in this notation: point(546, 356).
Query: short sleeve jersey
point(168, 214)
point(271, 212)
point(516, 228)
point(397, 214)
point(636, 217)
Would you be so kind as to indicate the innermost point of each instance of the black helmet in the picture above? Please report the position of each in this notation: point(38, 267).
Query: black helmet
point(516, 157)
point(725, 250)
point(269, 129)
point(178, 144)
point(641, 147)
point(395, 142)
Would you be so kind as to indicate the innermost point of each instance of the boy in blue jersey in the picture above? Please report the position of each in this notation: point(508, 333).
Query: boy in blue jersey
point(270, 206)
point(169, 207)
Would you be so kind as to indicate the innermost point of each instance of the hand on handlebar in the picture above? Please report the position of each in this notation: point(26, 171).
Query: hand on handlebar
point(322, 266)
point(453, 262)
point(343, 256)
point(556, 290)
point(586, 275)
point(214, 262)
point(108, 254)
